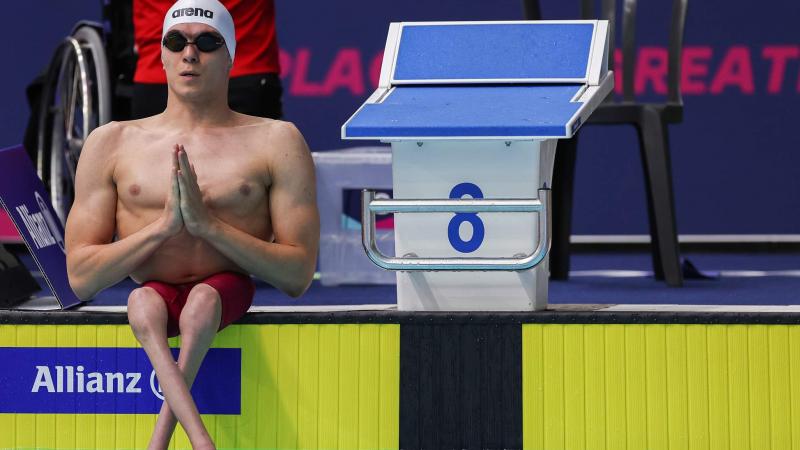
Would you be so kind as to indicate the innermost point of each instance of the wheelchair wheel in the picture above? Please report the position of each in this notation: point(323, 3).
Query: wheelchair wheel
point(76, 99)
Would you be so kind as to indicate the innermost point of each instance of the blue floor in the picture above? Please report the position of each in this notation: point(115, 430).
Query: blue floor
point(729, 283)
point(586, 287)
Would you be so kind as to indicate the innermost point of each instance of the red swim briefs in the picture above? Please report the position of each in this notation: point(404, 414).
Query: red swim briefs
point(235, 289)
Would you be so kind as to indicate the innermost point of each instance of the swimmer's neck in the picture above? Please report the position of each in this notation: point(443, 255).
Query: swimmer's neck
point(208, 113)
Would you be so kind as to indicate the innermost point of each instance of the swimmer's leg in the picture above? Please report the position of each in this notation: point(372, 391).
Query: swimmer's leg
point(198, 324)
point(147, 315)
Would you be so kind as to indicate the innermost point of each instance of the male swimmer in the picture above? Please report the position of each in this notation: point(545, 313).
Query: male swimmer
point(188, 203)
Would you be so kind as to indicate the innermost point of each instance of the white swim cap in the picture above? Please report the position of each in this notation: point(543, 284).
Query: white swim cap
point(209, 12)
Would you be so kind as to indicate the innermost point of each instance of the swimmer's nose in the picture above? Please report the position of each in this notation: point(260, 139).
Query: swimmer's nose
point(189, 54)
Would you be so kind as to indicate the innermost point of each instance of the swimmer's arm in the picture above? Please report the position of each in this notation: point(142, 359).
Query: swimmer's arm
point(288, 262)
point(92, 267)
point(94, 262)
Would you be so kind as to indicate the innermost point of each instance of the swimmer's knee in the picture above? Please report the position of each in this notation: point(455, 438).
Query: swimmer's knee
point(203, 296)
point(144, 308)
point(203, 309)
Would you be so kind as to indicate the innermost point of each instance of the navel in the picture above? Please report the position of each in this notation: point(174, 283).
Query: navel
point(134, 189)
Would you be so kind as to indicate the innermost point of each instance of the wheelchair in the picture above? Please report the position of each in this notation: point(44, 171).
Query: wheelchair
point(87, 83)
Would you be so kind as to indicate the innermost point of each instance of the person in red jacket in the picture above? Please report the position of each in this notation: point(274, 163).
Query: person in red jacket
point(255, 86)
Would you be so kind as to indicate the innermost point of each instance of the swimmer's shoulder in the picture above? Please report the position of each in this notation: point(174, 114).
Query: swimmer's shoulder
point(103, 139)
point(269, 133)
point(264, 124)
point(99, 151)
point(276, 131)
point(104, 134)
point(107, 141)
point(132, 128)
point(113, 134)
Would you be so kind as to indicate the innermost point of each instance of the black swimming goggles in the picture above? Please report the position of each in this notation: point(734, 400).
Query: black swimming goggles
point(205, 42)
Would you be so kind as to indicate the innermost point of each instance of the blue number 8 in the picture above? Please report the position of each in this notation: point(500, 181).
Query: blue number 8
point(478, 230)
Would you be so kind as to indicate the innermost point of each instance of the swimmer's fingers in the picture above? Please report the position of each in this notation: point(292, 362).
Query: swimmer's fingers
point(174, 199)
point(172, 218)
point(191, 199)
point(189, 187)
point(175, 151)
point(194, 214)
point(186, 166)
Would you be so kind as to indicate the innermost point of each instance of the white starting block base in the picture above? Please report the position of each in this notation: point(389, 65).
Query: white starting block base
point(501, 170)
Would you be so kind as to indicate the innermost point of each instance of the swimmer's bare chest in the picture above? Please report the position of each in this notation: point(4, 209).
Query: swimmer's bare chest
point(232, 175)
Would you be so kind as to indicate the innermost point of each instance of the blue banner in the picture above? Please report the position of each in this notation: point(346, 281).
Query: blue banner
point(23, 196)
point(88, 380)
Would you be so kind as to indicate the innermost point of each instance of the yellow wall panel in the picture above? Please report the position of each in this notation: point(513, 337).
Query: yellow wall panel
point(574, 392)
point(308, 396)
point(533, 397)
point(676, 387)
point(636, 386)
point(697, 384)
point(662, 386)
point(738, 386)
point(288, 339)
point(656, 385)
point(553, 358)
point(616, 417)
point(389, 420)
point(292, 393)
point(794, 390)
point(368, 391)
point(594, 385)
point(718, 403)
point(348, 386)
point(780, 387)
point(758, 351)
point(328, 386)
point(267, 376)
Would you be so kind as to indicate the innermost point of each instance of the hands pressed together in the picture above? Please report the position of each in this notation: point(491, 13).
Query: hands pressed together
point(184, 207)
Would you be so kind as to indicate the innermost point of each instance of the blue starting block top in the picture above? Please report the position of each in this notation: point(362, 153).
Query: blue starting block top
point(516, 51)
point(452, 111)
point(486, 80)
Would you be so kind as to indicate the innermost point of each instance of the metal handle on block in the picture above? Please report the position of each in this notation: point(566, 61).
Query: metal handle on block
point(370, 207)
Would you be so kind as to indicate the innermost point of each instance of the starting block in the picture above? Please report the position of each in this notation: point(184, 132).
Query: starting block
point(473, 111)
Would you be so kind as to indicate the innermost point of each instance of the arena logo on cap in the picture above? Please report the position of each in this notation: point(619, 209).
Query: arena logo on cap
point(41, 225)
point(198, 12)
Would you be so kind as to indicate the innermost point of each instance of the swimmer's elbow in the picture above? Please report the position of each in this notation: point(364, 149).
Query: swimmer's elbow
point(81, 288)
point(81, 291)
point(295, 278)
point(299, 286)
point(296, 290)
point(81, 285)
point(82, 275)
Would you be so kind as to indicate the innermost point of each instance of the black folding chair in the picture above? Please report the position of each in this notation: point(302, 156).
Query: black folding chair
point(651, 121)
